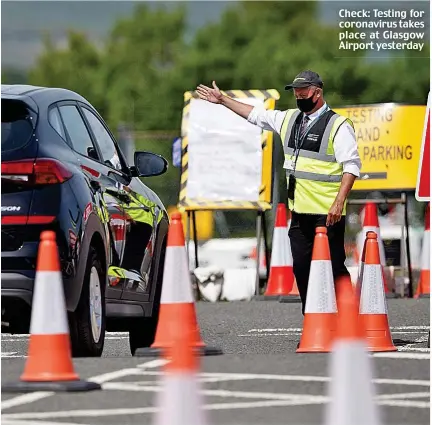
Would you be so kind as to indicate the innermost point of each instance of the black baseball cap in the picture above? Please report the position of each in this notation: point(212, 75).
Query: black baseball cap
point(305, 79)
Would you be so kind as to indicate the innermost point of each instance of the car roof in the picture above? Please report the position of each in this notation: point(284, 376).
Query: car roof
point(41, 95)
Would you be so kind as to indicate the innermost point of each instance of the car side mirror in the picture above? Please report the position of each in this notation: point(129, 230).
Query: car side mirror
point(148, 164)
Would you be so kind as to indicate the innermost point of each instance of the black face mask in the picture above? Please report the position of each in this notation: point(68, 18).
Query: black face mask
point(306, 105)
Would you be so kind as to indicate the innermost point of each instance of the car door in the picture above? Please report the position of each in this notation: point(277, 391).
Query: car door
point(101, 179)
point(138, 218)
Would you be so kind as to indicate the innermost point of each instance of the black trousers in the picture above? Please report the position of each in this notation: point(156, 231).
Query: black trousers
point(302, 234)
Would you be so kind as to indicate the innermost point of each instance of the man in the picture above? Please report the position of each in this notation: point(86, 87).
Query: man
point(321, 163)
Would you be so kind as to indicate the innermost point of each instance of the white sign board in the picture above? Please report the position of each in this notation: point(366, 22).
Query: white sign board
point(225, 154)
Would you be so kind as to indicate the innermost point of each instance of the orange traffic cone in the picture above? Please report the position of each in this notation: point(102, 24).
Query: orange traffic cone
point(319, 321)
point(180, 400)
point(281, 277)
point(373, 304)
point(350, 389)
point(49, 366)
point(177, 303)
point(371, 224)
point(293, 296)
point(423, 287)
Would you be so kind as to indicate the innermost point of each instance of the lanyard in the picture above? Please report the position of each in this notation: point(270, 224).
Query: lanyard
point(298, 141)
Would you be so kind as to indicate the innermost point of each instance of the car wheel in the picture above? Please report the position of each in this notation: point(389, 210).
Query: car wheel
point(143, 331)
point(88, 320)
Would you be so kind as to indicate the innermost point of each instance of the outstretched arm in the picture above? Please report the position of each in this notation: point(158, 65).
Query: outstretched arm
point(214, 95)
point(267, 119)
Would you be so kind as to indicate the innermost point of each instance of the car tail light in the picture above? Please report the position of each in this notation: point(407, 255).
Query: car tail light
point(24, 219)
point(35, 172)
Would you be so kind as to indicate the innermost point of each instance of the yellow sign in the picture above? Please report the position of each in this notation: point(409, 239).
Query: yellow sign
point(389, 138)
point(204, 223)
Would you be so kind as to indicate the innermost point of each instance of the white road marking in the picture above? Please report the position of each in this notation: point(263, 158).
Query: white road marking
point(32, 397)
point(23, 340)
point(215, 393)
point(153, 364)
point(298, 401)
point(393, 328)
point(408, 347)
point(270, 334)
point(26, 422)
point(396, 396)
point(414, 349)
point(255, 395)
point(25, 399)
point(405, 403)
point(288, 333)
point(21, 336)
point(11, 355)
point(403, 355)
point(301, 378)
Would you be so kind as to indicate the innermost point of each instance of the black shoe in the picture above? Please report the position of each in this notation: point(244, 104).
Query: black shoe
point(298, 345)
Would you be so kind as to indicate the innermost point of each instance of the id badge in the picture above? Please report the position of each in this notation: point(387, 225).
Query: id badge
point(291, 187)
point(288, 164)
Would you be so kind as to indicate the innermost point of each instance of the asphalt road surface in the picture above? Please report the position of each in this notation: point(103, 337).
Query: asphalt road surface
point(259, 379)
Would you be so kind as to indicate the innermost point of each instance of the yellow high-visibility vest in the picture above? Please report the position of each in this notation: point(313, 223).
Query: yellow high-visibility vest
point(318, 174)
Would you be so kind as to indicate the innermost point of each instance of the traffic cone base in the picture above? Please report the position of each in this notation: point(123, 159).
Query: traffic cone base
point(371, 224)
point(48, 347)
point(49, 364)
point(321, 331)
point(281, 277)
point(177, 302)
point(266, 297)
point(373, 305)
point(319, 322)
point(290, 299)
point(293, 296)
point(55, 386)
point(158, 352)
point(169, 315)
point(377, 331)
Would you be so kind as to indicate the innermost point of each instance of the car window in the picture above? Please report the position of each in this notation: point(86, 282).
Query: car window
point(103, 139)
point(55, 121)
point(77, 130)
point(16, 125)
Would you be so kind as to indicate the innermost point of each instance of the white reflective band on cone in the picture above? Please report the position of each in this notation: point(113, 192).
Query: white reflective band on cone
point(373, 299)
point(281, 252)
point(48, 314)
point(321, 297)
point(176, 286)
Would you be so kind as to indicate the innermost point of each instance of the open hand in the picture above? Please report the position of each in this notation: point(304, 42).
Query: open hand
point(335, 213)
point(212, 95)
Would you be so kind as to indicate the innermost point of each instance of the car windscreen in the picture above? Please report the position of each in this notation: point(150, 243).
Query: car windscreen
point(17, 124)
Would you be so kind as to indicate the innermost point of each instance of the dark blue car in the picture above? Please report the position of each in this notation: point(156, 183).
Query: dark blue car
point(62, 170)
